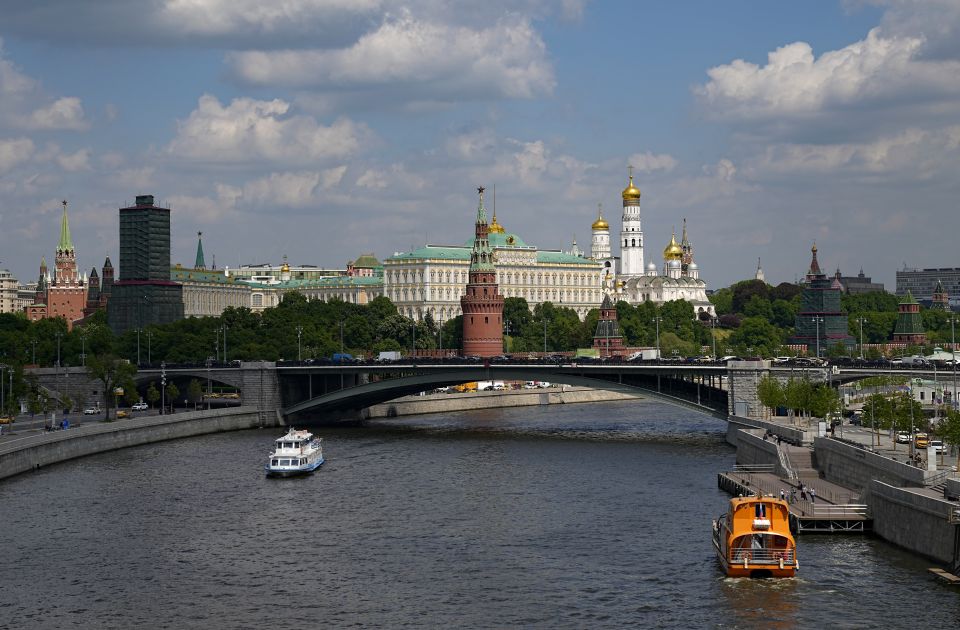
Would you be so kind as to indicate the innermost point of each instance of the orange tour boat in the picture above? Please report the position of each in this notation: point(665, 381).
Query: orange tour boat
point(753, 538)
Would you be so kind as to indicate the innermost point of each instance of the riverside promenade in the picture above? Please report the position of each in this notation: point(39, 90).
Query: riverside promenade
point(853, 470)
point(33, 448)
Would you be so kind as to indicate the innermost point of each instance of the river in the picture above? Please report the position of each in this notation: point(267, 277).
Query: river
point(567, 516)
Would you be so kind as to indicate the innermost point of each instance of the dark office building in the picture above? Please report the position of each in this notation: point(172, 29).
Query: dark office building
point(859, 283)
point(144, 294)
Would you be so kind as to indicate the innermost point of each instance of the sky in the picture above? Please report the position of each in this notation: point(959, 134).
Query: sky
point(324, 129)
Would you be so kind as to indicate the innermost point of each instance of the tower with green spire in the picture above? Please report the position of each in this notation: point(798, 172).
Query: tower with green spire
point(200, 264)
point(65, 261)
point(482, 305)
point(909, 328)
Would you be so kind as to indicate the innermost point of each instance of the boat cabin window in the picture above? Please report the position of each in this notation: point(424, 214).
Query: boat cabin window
point(275, 462)
point(760, 510)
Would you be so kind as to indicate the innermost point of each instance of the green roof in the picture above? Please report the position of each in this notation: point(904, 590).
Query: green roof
point(182, 274)
point(435, 251)
point(565, 258)
point(366, 260)
point(320, 283)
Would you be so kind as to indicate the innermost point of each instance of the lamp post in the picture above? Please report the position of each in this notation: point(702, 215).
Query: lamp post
point(713, 330)
point(83, 350)
point(657, 320)
point(954, 401)
point(818, 320)
point(149, 348)
point(138, 347)
point(544, 315)
point(163, 387)
point(208, 384)
point(860, 320)
point(224, 343)
point(440, 336)
point(413, 338)
point(33, 342)
point(299, 333)
point(506, 331)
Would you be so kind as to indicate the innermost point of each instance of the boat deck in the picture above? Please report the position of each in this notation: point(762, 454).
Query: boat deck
point(833, 511)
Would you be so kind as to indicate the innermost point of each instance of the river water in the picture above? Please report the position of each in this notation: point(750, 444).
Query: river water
point(568, 516)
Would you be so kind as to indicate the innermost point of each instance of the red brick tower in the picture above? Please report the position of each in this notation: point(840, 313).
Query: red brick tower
point(482, 305)
point(67, 294)
point(608, 339)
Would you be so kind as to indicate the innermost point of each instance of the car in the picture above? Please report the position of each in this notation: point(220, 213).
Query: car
point(123, 413)
point(937, 445)
point(903, 437)
point(5, 420)
point(91, 411)
point(140, 406)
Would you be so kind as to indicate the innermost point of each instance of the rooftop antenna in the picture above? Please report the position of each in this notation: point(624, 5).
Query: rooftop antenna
point(494, 200)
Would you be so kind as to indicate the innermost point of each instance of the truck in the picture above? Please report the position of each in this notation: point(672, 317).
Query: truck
point(388, 356)
point(647, 354)
point(491, 386)
point(915, 361)
point(466, 387)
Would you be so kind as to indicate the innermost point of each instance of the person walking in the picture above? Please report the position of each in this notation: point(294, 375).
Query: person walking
point(803, 492)
point(813, 495)
point(793, 495)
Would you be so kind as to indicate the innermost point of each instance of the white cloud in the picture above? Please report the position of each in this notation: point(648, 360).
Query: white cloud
point(422, 61)
point(78, 161)
point(21, 105)
point(912, 153)
point(649, 162)
point(227, 17)
point(295, 190)
point(250, 130)
point(14, 152)
point(877, 70)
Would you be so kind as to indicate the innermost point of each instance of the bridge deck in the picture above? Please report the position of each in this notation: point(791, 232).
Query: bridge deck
point(831, 512)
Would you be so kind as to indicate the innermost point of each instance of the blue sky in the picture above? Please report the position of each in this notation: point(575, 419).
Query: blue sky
point(323, 129)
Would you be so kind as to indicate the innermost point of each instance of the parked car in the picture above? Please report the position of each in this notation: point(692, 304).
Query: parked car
point(140, 406)
point(903, 437)
point(937, 445)
point(91, 411)
point(123, 413)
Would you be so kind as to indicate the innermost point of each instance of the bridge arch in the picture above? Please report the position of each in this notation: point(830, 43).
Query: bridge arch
point(368, 394)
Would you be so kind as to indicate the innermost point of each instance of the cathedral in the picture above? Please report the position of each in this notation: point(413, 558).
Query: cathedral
point(626, 278)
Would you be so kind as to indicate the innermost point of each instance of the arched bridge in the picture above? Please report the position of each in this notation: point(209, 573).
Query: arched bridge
point(693, 387)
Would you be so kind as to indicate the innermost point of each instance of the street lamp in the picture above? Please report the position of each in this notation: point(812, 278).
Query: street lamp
point(413, 338)
point(149, 349)
point(954, 400)
point(818, 321)
point(544, 316)
point(713, 331)
point(83, 350)
point(506, 331)
point(208, 383)
point(224, 343)
point(138, 347)
point(299, 333)
point(861, 320)
point(163, 387)
point(657, 320)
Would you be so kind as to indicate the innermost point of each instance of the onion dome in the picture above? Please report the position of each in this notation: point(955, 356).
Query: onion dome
point(600, 223)
point(631, 192)
point(673, 263)
point(673, 251)
point(693, 266)
point(651, 266)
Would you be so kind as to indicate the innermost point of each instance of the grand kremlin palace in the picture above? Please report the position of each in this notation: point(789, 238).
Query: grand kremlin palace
point(431, 279)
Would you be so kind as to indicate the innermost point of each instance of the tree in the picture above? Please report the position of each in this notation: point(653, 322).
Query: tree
point(771, 393)
point(111, 371)
point(757, 336)
point(153, 394)
point(173, 392)
point(194, 391)
point(949, 428)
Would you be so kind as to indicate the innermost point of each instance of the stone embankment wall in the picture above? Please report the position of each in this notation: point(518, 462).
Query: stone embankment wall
point(441, 403)
point(32, 452)
point(793, 435)
point(855, 467)
point(913, 520)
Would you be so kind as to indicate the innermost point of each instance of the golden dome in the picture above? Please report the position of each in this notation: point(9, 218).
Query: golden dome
point(631, 192)
point(673, 251)
point(495, 228)
point(600, 223)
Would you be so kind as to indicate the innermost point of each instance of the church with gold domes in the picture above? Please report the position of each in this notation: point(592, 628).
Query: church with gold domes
point(634, 283)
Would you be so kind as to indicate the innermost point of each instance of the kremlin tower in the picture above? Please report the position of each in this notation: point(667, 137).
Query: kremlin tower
point(65, 294)
point(482, 305)
point(631, 234)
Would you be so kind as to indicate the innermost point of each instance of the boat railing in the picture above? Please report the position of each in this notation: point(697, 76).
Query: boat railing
point(763, 556)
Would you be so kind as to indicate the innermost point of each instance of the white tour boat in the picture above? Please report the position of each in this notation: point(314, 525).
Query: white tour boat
point(296, 453)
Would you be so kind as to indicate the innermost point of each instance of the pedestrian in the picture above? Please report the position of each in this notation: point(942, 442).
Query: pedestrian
point(783, 494)
point(766, 436)
point(779, 439)
point(793, 495)
point(813, 495)
point(803, 492)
